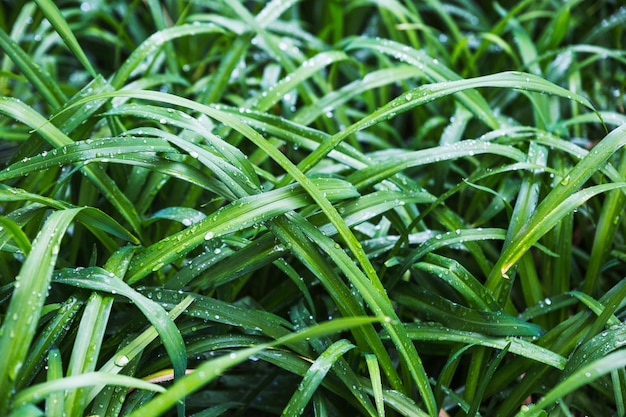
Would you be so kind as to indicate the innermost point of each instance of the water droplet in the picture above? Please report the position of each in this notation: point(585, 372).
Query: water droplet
point(122, 361)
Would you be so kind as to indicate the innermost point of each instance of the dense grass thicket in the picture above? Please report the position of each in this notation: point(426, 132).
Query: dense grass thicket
point(319, 208)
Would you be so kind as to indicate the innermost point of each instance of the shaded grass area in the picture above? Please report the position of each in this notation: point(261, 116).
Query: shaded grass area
point(312, 208)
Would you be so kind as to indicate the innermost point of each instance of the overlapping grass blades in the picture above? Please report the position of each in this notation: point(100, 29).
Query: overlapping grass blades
point(202, 202)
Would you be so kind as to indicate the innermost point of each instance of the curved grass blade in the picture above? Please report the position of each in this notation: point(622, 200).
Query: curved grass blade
point(48, 337)
point(538, 226)
point(430, 92)
point(456, 316)
point(371, 175)
point(584, 375)
point(181, 119)
point(433, 69)
point(435, 332)
point(126, 354)
point(238, 215)
point(459, 278)
point(85, 151)
point(25, 114)
point(14, 231)
point(98, 279)
point(154, 42)
point(561, 197)
point(35, 74)
point(306, 70)
point(35, 393)
point(212, 369)
point(31, 286)
point(314, 376)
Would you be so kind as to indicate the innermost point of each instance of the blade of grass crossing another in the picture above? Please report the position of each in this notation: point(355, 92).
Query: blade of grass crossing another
point(314, 376)
point(24, 310)
point(210, 370)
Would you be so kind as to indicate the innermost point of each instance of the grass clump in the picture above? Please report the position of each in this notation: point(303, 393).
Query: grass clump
point(312, 208)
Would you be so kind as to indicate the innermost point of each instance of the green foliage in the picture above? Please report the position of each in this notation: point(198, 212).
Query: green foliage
point(325, 208)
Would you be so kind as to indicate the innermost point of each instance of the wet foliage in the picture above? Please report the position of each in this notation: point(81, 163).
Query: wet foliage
point(319, 208)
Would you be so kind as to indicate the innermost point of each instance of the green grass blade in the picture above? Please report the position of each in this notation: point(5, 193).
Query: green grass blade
point(153, 43)
point(377, 386)
point(31, 286)
point(441, 334)
point(53, 14)
point(35, 393)
point(210, 370)
point(55, 401)
point(314, 376)
point(584, 375)
point(36, 75)
point(100, 280)
point(242, 213)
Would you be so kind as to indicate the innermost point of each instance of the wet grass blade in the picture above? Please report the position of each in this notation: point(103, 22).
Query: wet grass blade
point(314, 376)
point(53, 14)
point(31, 287)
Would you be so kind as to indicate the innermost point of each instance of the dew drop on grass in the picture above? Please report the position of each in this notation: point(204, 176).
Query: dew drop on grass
point(209, 236)
point(122, 360)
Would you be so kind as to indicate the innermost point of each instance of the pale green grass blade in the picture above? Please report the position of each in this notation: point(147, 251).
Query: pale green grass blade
point(36, 392)
point(210, 370)
point(314, 376)
point(172, 117)
point(85, 151)
point(53, 14)
point(377, 387)
point(306, 70)
point(31, 286)
point(27, 410)
point(14, 232)
point(86, 348)
point(54, 402)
